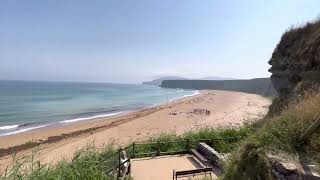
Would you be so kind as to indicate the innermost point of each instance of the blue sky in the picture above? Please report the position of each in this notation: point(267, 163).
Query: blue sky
point(131, 41)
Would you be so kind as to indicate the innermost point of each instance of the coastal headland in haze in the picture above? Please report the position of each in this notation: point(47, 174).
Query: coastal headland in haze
point(262, 86)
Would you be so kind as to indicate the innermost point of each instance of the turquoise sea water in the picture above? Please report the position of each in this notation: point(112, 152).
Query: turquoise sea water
point(29, 105)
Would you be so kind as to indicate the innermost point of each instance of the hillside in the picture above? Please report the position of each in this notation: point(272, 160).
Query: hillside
point(286, 144)
point(217, 78)
point(158, 82)
point(261, 86)
point(296, 62)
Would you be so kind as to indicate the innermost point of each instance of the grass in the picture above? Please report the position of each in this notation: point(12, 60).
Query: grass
point(88, 163)
point(220, 139)
point(279, 135)
point(92, 163)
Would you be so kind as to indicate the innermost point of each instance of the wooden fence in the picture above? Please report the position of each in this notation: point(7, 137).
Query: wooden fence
point(159, 148)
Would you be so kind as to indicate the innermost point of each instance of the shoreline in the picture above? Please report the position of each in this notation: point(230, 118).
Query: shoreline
point(53, 139)
point(29, 127)
point(179, 116)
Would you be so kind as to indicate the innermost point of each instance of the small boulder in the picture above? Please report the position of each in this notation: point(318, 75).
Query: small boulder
point(287, 168)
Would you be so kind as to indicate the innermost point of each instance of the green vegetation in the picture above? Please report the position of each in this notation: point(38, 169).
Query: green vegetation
point(87, 164)
point(92, 163)
point(224, 140)
point(279, 135)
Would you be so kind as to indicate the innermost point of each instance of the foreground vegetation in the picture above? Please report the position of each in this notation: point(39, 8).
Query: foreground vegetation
point(92, 163)
point(279, 135)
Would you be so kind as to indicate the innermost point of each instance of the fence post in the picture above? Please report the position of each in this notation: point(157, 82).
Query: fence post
point(188, 145)
point(174, 172)
point(158, 148)
point(119, 165)
point(133, 150)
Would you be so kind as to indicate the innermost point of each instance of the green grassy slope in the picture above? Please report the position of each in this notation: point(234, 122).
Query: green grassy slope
point(279, 135)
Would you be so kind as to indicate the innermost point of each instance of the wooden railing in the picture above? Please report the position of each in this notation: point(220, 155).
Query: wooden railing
point(194, 172)
point(159, 148)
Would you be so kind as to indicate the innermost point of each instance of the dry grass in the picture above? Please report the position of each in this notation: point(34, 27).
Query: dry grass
point(279, 134)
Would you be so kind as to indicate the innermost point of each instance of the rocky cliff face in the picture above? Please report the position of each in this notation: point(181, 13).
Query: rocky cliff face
point(296, 60)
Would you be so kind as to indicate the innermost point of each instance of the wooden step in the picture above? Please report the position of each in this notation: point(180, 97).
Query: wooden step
point(201, 158)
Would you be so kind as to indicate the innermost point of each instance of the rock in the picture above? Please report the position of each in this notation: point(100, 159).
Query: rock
point(287, 168)
point(284, 169)
point(296, 60)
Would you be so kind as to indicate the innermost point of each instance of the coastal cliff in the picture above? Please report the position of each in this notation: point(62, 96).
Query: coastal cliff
point(296, 61)
point(260, 86)
point(286, 144)
point(158, 82)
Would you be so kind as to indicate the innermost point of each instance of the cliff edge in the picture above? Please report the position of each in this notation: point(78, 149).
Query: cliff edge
point(296, 61)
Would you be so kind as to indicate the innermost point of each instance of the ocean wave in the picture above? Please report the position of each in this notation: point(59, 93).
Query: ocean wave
point(176, 98)
point(180, 90)
point(92, 117)
point(190, 95)
point(29, 124)
point(185, 96)
point(23, 130)
point(19, 128)
point(9, 127)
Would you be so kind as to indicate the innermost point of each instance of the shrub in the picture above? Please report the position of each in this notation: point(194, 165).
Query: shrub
point(279, 134)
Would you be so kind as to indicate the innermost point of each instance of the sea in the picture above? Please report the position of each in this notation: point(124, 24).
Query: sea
point(30, 105)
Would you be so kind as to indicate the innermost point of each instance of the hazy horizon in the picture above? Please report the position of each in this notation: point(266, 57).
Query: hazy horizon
point(136, 41)
point(132, 83)
point(140, 82)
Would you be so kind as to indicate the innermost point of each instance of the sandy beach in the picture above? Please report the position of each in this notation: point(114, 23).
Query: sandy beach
point(208, 109)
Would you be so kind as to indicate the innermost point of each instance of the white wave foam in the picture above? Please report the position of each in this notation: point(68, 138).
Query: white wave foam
point(12, 127)
point(22, 130)
point(92, 117)
point(185, 96)
point(41, 126)
point(190, 95)
point(9, 127)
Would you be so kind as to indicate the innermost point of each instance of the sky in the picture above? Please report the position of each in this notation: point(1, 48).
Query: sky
point(126, 41)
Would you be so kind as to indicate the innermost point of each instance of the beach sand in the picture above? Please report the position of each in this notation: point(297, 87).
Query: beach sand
point(208, 109)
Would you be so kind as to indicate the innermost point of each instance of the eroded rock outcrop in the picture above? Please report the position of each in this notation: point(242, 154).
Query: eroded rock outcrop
point(296, 60)
point(283, 169)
